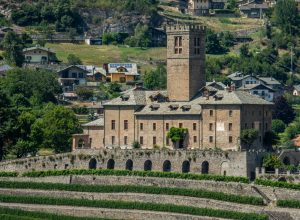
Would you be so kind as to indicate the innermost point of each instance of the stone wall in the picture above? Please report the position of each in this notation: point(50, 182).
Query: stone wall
point(194, 161)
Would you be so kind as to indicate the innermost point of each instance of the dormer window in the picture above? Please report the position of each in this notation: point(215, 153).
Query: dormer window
point(186, 108)
point(218, 97)
point(154, 107)
point(173, 107)
point(125, 97)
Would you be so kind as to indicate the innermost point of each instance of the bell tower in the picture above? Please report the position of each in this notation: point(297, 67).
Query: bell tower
point(185, 61)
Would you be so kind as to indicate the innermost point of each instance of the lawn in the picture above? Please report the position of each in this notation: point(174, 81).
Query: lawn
point(98, 55)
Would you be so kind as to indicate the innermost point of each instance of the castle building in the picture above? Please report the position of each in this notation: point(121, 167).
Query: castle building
point(214, 118)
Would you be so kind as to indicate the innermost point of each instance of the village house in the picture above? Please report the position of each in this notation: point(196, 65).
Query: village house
point(72, 76)
point(254, 10)
point(121, 72)
point(261, 90)
point(202, 7)
point(39, 55)
point(212, 118)
point(248, 82)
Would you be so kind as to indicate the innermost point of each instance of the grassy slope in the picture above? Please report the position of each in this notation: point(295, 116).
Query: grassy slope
point(97, 55)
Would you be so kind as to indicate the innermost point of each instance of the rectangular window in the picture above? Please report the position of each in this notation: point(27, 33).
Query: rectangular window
point(141, 140)
point(113, 125)
point(230, 139)
point(211, 112)
point(211, 126)
point(195, 139)
point(125, 140)
point(259, 126)
point(211, 139)
point(125, 124)
point(113, 140)
point(180, 125)
point(252, 125)
point(154, 140)
point(141, 126)
point(230, 113)
point(91, 140)
point(246, 125)
point(267, 126)
point(167, 126)
point(230, 127)
point(194, 126)
point(154, 126)
point(178, 45)
point(167, 141)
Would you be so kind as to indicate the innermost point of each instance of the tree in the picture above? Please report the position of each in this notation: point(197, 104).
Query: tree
point(232, 5)
point(7, 119)
point(13, 49)
point(271, 161)
point(278, 126)
point(156, 79)
point(84, 93)
point(213, 45)
point(286, 16)
point(283, 110)
point(74, 60)
point(244, 51)
point(141, 37)
point(177, 134)
point(248, 136)
point(36, 86)
point(57, 126)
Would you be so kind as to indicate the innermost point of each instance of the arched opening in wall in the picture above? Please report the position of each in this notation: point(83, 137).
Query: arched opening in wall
point(81, 144)
point(167, 166)
point(111, 164)
point(55, 166)
point(186, 166)
point(205, 167)
point(148, 165)
point(129, 165)
point(286, 161)
point(93, 163)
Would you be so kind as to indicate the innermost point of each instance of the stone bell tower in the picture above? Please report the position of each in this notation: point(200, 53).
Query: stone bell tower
point(185, 61)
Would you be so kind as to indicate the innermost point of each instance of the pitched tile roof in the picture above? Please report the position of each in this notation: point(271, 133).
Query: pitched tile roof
point(96, 123)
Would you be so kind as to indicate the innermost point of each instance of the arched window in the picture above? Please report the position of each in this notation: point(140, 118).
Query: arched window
point(186, 167)
point(93, 163)
point(80, 144)
point(129, 165)
point(148, 165)
point(167, 166)
point(111, 164)
point(205, 167)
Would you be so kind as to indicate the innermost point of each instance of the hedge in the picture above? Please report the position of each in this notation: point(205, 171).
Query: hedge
point(277, 184)
point(289, 203)
point(197, 193)
point(9, 174)
point(137, 173)
point(133, 206)
point(13, 214)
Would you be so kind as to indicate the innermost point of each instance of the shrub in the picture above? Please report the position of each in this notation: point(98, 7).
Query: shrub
point(197, 193)
point(132, 206)
point(8, 174)
point(277, 184)
point(13, 214)
point(137, 173)
point(289, 203)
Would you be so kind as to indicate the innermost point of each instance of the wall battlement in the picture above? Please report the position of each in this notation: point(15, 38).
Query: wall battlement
point(185, 27)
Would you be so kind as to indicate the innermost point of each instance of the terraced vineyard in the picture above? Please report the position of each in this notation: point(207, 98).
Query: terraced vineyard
point(126, 195)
